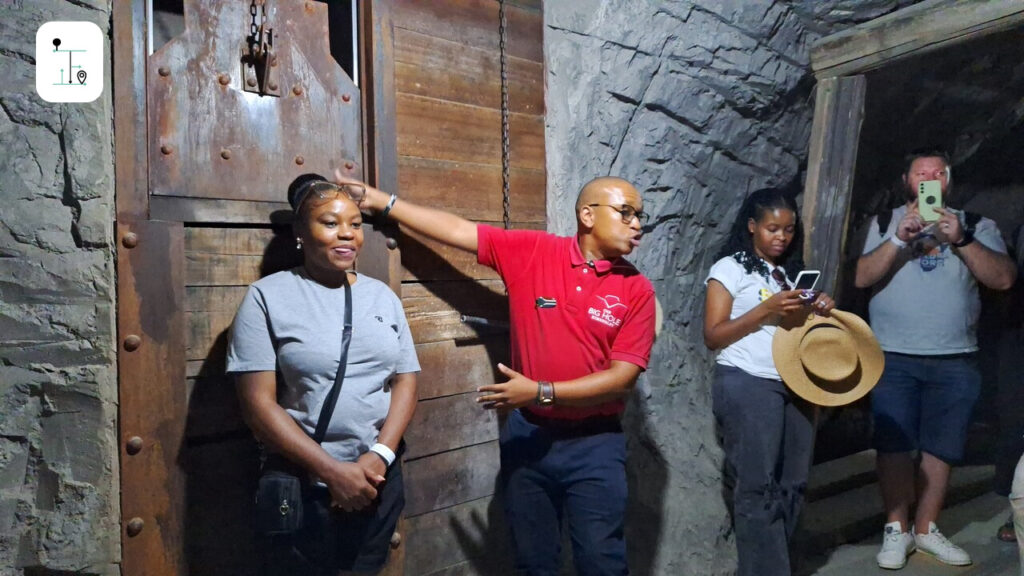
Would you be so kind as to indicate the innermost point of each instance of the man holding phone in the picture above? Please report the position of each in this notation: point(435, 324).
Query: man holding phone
point(924, 309)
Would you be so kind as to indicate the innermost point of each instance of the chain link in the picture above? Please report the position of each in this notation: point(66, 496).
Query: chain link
point(505, 144)
point(253, 28)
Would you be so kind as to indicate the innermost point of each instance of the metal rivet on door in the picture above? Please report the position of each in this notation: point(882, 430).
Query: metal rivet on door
point(133, 446)
point(132, 342)
point(135, 526)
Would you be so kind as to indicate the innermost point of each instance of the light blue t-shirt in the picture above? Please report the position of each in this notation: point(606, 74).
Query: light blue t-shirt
point(929, 305)
point(290, 323)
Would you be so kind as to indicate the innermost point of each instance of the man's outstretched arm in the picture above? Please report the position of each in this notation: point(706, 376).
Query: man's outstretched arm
point(436, 224)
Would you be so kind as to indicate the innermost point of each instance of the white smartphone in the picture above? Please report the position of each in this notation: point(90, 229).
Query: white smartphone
point(806, 280)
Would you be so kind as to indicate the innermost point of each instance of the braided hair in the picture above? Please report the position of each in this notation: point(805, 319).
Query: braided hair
point(740, 244)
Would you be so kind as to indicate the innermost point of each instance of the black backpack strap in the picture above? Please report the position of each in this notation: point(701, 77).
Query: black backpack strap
point(971, 220)
point(883, 222)
point(332, 397)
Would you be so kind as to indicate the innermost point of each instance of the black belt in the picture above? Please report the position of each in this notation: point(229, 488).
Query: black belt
point(576, 426)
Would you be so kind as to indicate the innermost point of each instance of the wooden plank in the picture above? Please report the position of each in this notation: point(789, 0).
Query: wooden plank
point(915, 30)
point(446, 70)
point(209, 210)
point(471, 532)
point(243, 241)
point(151, 394)
point(450, 478)
point(447, 423)
point(222, 478)
point(475, 23)
point(428, 260)
point(380, 147)
point(477, 186)
point(213, 411)
point(209, 312)
point(237, 256)
point(131, 167)
point(838, 113)
point(433, 310)
point(448, 367)
point(429, 128)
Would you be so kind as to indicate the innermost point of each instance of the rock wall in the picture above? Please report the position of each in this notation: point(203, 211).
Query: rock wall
point(697, 104)
point(58, 380)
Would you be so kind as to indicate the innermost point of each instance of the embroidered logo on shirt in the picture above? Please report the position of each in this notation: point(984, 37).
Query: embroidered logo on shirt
point(611, 301)
point(606, 316)
point(543, 302)
point(765, 294)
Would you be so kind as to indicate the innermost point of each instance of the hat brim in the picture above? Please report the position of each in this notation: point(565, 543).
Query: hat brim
point(870, 360)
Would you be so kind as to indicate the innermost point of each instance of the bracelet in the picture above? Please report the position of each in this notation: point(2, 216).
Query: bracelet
point(384, 452)
point(387, 209)
point(896, 240)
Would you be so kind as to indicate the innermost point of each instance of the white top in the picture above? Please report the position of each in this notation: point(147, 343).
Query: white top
point(753, 352)
point(929, 305)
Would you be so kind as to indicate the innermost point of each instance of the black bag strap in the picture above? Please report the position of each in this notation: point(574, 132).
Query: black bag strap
point(332, 397)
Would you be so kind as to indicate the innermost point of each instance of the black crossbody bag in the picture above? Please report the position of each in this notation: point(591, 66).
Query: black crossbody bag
point(279, 490)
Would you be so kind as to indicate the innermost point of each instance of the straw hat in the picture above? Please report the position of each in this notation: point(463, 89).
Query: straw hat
point(828, 360)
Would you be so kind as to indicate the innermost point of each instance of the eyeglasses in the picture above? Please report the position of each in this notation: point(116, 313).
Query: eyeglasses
point(628, 213)
point(329, 191)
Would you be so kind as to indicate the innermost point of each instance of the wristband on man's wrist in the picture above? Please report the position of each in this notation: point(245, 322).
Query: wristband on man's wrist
point(896, 240)
point(387, 208)
point(545, 393)
point(966, 239)
point(385, 453)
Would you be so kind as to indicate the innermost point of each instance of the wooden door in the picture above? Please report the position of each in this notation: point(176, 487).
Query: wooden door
point(211, 127)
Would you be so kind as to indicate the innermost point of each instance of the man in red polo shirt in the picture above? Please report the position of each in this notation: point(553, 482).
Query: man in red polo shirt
point(582, 326)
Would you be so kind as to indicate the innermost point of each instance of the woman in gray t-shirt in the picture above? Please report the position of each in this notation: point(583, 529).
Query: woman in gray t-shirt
point(284, 352)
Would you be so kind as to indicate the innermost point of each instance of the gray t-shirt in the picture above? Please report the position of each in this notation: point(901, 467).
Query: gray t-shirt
point(930, 305)
point(290, 323)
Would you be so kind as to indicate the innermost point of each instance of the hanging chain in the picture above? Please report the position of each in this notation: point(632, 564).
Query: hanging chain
point(503, 50)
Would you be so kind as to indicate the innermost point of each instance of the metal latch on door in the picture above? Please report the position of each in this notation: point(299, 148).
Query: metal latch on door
point(259, 61)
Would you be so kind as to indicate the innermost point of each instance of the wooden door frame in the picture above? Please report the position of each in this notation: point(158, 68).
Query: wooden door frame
point(150, 309)
point(839, 62)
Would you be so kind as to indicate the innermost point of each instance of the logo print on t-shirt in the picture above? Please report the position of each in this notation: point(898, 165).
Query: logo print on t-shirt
point(606, 316)
point(934, 258)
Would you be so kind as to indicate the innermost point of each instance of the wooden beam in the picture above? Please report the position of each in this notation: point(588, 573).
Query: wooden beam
point(380, 148)
point(917, 29)
point(131, 172)
point(838, 113)
point(153, 406)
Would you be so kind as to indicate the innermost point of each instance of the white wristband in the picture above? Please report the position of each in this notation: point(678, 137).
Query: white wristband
point(384, 453)
point(896, 240)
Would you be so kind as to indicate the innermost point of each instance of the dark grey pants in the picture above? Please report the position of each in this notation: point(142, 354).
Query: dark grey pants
point(768, 437)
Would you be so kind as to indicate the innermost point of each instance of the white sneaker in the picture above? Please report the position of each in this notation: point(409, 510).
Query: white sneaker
point(895, 547)
point(941, 548)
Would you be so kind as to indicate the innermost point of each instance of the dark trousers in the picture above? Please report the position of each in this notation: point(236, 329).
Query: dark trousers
point(768, 437)
point(331, 540)
point(580, 470)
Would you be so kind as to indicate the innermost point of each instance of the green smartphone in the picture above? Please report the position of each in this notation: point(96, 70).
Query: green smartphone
point(929, 197)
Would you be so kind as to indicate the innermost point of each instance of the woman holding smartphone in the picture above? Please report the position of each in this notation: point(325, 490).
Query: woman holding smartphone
point(767, 432)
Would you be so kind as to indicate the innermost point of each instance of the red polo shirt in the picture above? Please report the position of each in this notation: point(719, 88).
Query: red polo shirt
point(569, 318)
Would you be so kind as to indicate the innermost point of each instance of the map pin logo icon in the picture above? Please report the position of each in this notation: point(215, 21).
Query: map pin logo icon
point(81, 76)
